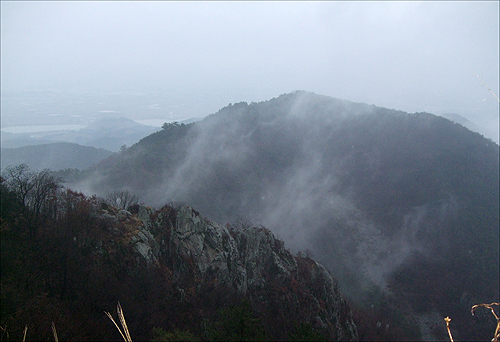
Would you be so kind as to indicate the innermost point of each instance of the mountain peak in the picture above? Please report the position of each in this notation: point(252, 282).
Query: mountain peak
point(377, 193)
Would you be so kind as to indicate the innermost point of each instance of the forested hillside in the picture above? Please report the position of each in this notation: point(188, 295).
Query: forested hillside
point(67, 259)
point(402, 208)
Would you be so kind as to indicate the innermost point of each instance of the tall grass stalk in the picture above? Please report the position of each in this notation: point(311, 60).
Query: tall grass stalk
point(448, 320)
point(487, 86)
point(54, 331)
point(496, 336)
point(125, 334)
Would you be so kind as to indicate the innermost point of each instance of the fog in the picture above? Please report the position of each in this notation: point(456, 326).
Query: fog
point(277, 168)
point(171, 60)
point(369, 197)
point(411, 56)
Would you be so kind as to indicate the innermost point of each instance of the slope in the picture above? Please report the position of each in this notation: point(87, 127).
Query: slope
point(54, 156)
point(397, 205)
point(173, 271)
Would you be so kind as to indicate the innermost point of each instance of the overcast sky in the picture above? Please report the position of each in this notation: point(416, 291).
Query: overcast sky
point(413, 56)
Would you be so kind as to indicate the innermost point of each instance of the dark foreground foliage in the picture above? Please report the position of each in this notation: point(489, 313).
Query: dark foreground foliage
point(66, 260)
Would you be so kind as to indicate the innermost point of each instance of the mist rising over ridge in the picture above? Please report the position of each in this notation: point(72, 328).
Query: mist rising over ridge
point(372, 192)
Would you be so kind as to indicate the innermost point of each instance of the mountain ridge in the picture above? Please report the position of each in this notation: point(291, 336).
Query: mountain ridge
point(170, 268)
point(54, 156)
point(373, 192)
point(107, 133)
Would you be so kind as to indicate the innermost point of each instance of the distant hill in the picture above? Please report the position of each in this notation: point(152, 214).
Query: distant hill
point(13, 140)
point(461, 120)
point(403, 208)
point(113, 133)
point(190, 120)
point(54, 156)
point(488, 132)
point(109, 133)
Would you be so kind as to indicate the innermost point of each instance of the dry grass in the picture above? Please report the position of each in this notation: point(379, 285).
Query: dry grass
point(125, 333)
point(54, 331)
point(496, 336)
point(448, 320)
point(487, 86)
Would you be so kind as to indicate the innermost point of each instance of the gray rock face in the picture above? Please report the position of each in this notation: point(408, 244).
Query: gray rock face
point(249, 261)
point(211, 247)
point(259, 252)
point(144, 243)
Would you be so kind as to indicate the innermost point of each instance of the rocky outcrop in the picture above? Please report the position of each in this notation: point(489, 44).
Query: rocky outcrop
point(247, 261)
point(177, 274)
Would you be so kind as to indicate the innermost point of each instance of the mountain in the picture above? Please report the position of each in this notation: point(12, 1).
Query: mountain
point(402, 207)
point(14, 140)
point(109, 133)
point(461, 120)
point(112, 133)
point(54, 156)
point(175, 273)
point(488, 132)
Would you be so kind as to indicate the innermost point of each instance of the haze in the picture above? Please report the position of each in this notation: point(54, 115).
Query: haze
point(411, 56)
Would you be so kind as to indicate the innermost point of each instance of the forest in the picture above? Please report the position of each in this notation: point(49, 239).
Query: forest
point(67, 259)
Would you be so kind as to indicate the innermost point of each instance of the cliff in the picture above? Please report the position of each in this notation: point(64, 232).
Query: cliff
point(386, 200)
point(248, 261)
point(173, 271)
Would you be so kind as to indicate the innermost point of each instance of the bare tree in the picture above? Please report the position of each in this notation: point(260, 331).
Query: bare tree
point(242, 223)
point(35, 191)
point(122, 199)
